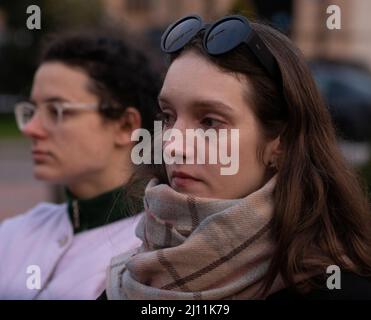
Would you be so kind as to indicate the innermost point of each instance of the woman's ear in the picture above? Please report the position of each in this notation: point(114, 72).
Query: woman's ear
point(129, 121)
point(272, 152)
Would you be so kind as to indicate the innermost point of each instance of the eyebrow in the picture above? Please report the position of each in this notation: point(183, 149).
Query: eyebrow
point(50, 99)
point(204, 104)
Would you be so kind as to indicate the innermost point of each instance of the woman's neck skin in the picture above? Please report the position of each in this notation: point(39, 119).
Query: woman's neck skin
point(112, 176)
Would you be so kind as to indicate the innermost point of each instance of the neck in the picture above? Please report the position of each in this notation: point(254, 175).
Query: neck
point(103, 181)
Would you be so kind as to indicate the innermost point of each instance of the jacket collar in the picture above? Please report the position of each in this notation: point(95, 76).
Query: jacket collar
point(111, 206)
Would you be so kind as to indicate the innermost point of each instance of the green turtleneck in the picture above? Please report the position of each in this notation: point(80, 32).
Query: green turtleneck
point(111, 206)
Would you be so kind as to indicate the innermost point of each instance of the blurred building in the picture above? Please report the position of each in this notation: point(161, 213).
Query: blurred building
point(141, 15)
point(351, 42)
point(308, 19)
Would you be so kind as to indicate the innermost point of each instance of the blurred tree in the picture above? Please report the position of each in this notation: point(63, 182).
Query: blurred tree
point(244, 7)
point(276, 13)
point(20, 46)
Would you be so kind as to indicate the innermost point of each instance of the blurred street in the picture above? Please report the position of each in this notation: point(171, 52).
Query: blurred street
point(19, 191)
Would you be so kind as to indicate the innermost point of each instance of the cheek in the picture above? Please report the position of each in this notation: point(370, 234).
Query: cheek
point(250, 169)
point(248, 151)
point(86, 147)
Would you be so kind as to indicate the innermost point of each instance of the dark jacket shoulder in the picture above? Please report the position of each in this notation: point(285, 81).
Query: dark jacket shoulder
point(103, 296)
point(352, 287)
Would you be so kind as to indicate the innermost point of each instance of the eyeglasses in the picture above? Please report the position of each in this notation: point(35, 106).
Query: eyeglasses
point(220, 37)
point(52, 114)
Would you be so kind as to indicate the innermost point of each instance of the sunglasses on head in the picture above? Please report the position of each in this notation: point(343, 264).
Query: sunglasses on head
point(220, 37)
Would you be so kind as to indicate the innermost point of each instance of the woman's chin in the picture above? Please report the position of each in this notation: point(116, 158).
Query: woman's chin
point(196, 191)
point(46, 174)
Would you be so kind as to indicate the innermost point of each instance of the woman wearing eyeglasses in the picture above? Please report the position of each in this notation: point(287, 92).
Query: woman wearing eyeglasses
point(293, 222)
point(88, 95)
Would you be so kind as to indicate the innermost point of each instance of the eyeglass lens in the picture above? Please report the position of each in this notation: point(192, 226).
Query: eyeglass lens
point(49, 115)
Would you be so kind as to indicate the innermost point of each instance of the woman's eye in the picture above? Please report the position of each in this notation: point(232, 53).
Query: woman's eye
point(55, 109)
point(166, 118)
point(211, 122)
point(29, 113)
point(52, 110)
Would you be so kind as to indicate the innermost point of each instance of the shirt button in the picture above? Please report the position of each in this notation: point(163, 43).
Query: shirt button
point(63, 241)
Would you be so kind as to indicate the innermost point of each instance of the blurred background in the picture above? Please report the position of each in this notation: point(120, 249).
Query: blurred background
point(340, 60)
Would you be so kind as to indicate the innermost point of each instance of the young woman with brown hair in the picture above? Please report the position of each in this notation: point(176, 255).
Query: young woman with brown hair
point(293, 208)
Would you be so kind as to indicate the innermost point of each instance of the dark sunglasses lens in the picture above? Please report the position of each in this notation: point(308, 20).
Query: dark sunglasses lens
point(181, 34)
point(226, 35)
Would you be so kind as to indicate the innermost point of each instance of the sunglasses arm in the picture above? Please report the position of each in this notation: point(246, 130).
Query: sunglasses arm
point(263, 54)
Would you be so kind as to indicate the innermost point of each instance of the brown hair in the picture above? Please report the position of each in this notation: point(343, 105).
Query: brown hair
point(321, 211)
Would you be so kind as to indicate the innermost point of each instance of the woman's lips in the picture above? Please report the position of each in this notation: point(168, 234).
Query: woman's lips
point(181, 180)
point(40, 156)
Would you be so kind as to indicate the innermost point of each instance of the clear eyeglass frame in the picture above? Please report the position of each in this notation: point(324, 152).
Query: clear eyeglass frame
point(52, 114)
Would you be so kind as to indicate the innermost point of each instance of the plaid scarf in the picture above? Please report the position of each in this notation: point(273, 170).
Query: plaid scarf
point(197, 248)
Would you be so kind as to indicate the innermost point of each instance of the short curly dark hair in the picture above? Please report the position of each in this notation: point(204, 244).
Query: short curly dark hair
point(121, 75)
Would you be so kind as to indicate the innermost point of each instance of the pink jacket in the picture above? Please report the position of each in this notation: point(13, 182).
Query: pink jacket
point(41, 258)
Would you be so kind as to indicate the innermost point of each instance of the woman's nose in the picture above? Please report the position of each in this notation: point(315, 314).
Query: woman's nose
point(175, 143)
point(34, 127)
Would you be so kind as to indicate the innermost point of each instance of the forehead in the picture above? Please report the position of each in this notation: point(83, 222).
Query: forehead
point(55, 79)
point(191, 76)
